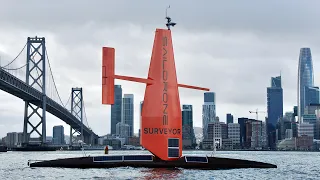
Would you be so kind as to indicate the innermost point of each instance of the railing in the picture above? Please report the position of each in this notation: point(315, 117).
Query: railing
point(36, 95)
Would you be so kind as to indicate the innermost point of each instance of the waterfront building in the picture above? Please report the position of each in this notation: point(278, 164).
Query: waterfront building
point(305, 129)
point(123, 131)
point(234, 134)
point(214, 135)
point(128, 112)
point(58, 135)
point(13, 139)
point(116, 108)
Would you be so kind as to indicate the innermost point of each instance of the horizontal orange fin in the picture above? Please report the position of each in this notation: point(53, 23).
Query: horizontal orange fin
point(193, 87)
point(134, 79)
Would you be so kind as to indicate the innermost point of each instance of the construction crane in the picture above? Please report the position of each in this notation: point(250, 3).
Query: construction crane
point(257, 113)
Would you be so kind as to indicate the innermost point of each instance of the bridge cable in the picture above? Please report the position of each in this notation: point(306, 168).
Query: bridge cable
point(15, 57)
point(85, 114)
point(53, 78)
point(14, 68)
point(67, 102)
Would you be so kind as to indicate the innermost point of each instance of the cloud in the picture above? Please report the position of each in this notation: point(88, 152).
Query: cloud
point(231, 48)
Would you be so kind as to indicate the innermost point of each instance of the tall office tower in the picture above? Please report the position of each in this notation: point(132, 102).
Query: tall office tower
point(187, 126)
point(275, 100)
point(127, 112)
point(305, 79)
point(311, 96)
point(208, 111)
point(275, 108)
point(116, 108)
point(58, 134)
point(187, 115)
point(141, 105)
point(229, 118)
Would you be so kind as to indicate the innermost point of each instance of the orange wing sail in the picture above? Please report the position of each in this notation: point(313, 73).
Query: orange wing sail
point(161, 124)
point(108, 75)
point(161, 113)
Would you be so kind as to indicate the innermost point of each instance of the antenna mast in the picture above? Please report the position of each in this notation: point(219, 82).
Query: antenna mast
point(169, 23)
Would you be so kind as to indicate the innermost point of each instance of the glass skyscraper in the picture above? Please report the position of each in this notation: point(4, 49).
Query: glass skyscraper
point(274, 107)
point(275, 100)
point(116, 108)
point(311, 95)
point(229, 118)
point(187, 123)
point(208, 111)
point(187, 115)
point(305, 78)
point(127, 112)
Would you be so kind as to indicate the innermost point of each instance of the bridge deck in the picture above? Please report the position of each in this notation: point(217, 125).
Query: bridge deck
point(20, 89)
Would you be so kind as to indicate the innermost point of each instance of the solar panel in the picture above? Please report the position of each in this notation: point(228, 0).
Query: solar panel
point(107, 158)
point(173, 153)
point(138, 158)
point(196, 159)
point(173, 142)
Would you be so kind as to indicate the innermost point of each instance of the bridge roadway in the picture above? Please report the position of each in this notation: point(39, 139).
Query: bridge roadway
point(20, 89)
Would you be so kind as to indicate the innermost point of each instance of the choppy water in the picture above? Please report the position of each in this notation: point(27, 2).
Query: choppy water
point(291, 165)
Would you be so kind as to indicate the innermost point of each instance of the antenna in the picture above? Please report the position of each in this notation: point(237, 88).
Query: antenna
point(169, 23)
point(167, 10)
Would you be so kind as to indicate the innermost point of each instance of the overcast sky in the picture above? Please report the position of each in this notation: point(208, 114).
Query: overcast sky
point(233, 48)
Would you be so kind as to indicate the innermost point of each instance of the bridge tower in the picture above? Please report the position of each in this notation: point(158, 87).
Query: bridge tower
point(35, 77)
point(77, 111)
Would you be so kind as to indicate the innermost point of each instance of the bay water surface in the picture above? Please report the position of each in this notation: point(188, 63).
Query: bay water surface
point(291, 165)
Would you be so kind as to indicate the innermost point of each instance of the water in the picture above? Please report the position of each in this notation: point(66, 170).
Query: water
point(291, 165)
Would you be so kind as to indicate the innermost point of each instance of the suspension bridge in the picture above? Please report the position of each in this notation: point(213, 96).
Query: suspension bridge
point(33, 82)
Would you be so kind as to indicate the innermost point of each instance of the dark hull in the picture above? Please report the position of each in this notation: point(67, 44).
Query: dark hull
point(212, 163)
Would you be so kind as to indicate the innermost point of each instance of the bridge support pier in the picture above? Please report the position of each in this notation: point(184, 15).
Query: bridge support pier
point(77, 111)
point(35, 77)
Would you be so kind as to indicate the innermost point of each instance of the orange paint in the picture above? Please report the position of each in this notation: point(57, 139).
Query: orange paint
point(108, 75)
point(161, 112)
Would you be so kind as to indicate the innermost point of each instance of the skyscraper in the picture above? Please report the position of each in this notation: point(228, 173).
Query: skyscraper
point(116, 108)
point(305, 78)
point(187, 125)
point(58, 135)
point(311, 95)
point(229, 118)
point(141, 105)
point(127, 111)
point(208, 111)
point(275, 108)
point(187, 115)
point(275, 100)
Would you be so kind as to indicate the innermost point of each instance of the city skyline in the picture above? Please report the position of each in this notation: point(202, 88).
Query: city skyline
point(236, 54)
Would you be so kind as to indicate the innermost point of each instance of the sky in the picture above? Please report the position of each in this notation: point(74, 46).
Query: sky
point(233, 48)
